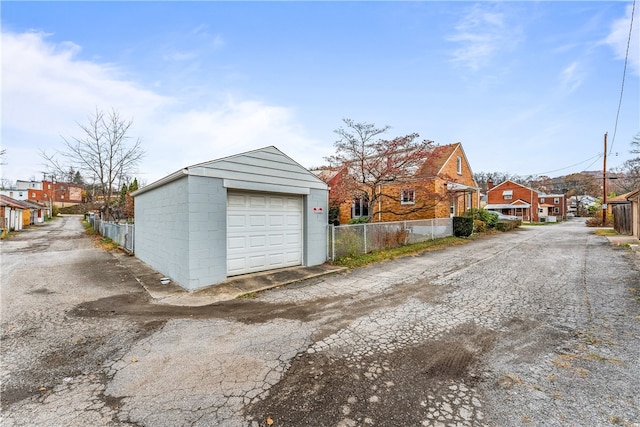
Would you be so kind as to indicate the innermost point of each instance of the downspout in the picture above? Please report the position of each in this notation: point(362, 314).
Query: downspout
point(379, 203)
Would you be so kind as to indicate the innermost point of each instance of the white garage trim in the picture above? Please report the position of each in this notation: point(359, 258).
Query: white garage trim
point(264, 231)
point(261, 186)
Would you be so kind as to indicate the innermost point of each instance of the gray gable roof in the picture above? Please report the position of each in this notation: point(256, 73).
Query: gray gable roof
point(267, 167)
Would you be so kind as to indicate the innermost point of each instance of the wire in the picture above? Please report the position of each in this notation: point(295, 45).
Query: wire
point(596, 157)
point(624, 73)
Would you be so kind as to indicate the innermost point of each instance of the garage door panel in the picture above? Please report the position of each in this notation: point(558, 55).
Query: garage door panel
point(236, 242)
point(257, 221)
point(294, 239)
point(264, 232)
point(276, 240)
point(235, 264)
point(257, 261)
point(257, 202)
point(257, 242)
point(236, 221)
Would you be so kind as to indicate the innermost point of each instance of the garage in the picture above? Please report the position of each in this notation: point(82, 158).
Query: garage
point(246, 213)
point(264, 232)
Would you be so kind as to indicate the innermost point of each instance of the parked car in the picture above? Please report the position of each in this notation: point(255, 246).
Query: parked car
point(503, 216)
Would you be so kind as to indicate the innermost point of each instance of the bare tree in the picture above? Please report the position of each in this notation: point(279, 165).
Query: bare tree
point(104, 153)
point(631, 168)
point(369, 162)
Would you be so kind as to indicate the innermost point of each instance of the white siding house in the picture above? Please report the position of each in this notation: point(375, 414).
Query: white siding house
point(250, 212)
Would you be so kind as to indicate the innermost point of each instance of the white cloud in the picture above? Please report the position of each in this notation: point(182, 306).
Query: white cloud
point(482, 34)
point(572, 76)
point(47, 89)
point(618, 38)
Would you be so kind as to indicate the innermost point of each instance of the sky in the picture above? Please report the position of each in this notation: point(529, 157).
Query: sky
point(526, 87)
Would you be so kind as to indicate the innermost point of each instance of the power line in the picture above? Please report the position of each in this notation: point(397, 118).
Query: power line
point(596, 157)
point(624, 73)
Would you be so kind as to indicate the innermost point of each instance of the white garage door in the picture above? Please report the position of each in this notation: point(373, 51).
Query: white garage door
point(264, 232)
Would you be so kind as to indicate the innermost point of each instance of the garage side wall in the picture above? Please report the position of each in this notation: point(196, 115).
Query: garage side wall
point(207, 219)
point(162, 230)
point(315, 241)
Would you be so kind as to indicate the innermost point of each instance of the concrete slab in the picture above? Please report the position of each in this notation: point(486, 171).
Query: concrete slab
point(234, 287)
point(622, 240)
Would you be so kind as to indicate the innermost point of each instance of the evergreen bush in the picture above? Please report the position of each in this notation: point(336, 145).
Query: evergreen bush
point(462, 226)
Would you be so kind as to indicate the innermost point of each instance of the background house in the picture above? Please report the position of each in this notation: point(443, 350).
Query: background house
point(442, 186)
point(17, 214)
point(581, 205)
point(511, 198)
point(250, 212)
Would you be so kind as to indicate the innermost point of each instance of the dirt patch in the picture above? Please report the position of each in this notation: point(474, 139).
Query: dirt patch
point(252, 311)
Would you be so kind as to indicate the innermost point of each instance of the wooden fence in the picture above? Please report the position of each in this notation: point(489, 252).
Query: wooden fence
point(622, 219)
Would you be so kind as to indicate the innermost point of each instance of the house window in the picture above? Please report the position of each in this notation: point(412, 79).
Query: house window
point(33, 195)
point(408, 196)
point(459, 165)
point(542, 200)
point(507, 194)
point(360, 207)
point(556, 210)
point(556, 200)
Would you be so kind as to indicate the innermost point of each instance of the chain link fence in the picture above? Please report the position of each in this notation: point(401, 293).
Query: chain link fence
point(121, 233)
point(349, 240)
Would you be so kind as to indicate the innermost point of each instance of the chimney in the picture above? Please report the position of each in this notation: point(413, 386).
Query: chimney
point(489, 185)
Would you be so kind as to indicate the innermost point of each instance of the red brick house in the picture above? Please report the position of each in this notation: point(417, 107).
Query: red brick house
point(511, 198)
point(443, 186)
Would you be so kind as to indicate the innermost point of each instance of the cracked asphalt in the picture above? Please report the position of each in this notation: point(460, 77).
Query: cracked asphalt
point(536, 327)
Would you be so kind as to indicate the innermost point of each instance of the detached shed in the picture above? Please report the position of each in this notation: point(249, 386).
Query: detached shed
point(241, 214)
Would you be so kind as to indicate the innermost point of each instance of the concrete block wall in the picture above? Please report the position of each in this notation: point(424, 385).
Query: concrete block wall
point(315, 239)
point(207, 217)
point(162, 238)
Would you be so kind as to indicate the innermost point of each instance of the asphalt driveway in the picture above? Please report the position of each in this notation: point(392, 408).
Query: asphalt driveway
point(539, 326)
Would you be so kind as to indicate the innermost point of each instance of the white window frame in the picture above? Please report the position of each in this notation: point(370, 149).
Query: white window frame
point(459, 165)
point(507, 194)
point(556, 200)
point(363, 203)
point(408, 196)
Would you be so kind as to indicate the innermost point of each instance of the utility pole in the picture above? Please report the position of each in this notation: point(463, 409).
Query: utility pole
point(604, 183)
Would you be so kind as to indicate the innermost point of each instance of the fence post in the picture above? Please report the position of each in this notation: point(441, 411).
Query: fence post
point(365, 237)
point(333, 242)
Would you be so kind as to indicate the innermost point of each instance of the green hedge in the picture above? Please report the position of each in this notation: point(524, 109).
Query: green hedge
point(462, 226)
point(506, 225)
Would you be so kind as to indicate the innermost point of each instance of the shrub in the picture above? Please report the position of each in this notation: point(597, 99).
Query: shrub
point(359, 220)
point(334, 215)
point(506, 225)
point(479, 226)
point(485, 216)
point(462, 226)
point(596, 221)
